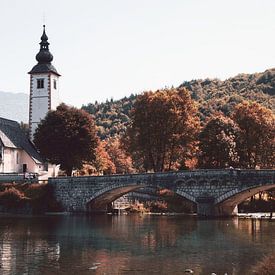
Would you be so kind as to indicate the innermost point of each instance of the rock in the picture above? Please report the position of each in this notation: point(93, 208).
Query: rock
point(189, 271)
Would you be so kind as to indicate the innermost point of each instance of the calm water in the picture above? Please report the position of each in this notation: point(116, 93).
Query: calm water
point(132, 245)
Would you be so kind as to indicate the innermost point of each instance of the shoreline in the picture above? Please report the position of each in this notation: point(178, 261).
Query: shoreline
point(252, 215)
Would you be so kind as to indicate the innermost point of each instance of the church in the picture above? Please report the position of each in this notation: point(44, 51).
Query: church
point(17, 152)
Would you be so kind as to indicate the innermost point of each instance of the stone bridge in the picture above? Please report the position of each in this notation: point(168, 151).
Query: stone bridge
point(215, 192)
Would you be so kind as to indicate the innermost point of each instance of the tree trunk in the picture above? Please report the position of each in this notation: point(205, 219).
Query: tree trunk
point(68, 171)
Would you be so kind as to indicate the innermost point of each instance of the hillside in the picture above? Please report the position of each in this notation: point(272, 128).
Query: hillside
point(216, 95)
point(112, 117)
point(14, 106)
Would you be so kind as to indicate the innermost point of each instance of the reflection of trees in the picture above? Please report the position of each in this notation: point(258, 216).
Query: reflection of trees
point(138, 243)
point(24, 245)
point(135, 233)
point(151, 232)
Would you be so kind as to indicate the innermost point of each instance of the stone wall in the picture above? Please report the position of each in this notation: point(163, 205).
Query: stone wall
point(207, 188)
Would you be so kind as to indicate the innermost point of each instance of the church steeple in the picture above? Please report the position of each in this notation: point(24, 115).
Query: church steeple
point(44, 88)
point(44, 57)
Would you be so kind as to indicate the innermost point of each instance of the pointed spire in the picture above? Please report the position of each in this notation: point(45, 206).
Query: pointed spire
point(44, 55)
point(44, 37)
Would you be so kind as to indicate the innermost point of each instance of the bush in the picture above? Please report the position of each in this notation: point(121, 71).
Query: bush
point(38, 197)
point(11, 197)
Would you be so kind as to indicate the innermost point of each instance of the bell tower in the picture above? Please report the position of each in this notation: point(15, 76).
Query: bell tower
point(43, 85)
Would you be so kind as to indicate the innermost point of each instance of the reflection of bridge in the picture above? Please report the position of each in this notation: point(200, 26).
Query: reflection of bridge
point(216, 192)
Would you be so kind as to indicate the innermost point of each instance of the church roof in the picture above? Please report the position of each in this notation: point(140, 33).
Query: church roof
point(44, 68)
point(44, 57)
point(12, 136)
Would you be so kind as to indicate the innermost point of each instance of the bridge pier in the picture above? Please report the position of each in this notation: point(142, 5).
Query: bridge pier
point(206, 206)
point(226, 210)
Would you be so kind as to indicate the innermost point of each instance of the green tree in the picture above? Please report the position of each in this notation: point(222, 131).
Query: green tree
point(67, 137)
point(164, 124)
point(218, 143)
point(256, 143)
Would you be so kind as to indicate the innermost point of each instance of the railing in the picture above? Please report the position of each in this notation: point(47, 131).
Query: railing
point(224, 171)
point(18, 177)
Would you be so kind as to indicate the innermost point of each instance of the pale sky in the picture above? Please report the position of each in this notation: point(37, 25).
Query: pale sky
point(112, 48)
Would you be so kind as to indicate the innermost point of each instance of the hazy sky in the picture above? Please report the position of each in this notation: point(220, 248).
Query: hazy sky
point(112, 48)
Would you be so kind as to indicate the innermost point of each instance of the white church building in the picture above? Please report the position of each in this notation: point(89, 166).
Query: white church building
point(17, 152)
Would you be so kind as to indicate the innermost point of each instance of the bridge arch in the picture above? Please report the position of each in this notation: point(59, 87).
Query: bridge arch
point(226, 203)
point(101, 198)
point(104, 196)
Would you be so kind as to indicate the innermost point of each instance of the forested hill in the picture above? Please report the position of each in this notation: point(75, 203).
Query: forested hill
point(112, 117)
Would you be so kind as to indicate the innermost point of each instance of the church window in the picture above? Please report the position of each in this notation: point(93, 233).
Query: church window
point(54, 83)
point(40, 83)
point(17, 157)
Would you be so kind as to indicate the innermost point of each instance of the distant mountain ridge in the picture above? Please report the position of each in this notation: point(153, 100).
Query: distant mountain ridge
point(14, 106)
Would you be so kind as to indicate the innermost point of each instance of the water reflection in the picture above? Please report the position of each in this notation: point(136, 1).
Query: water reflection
point(132, 244)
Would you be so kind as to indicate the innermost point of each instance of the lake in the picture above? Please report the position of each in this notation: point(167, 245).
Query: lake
point(132, 244)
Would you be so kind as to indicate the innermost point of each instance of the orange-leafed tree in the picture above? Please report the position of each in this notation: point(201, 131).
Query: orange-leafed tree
point(122, 161)
point(67, 136)
point(218, 143)
point(257, 139)
point(103, 163)
point(164, 124)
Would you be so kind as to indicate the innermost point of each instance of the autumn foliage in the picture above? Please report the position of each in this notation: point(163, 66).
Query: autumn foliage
point(111, 158)
point(163, 130)
point(245, 141)
point(256, 144)
point(67, 137)
point(218, 143)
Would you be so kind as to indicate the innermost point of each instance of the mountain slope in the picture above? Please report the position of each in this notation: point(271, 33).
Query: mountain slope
point(14, 106)
point(216, 95)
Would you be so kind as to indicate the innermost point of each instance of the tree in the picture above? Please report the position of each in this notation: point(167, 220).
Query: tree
point(256, 143)
point(67, 137)
point(101, 165)
point(103, 162)
point(122, 162)
point(218, 143)
point(164, 124)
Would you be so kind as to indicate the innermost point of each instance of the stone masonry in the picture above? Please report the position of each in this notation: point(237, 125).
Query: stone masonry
point(216, 192)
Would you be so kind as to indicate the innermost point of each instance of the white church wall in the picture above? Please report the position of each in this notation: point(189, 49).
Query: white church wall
point(11, 160)
point(39, 101)
point(39, 109)
point(32, 166)
point(55, 101)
